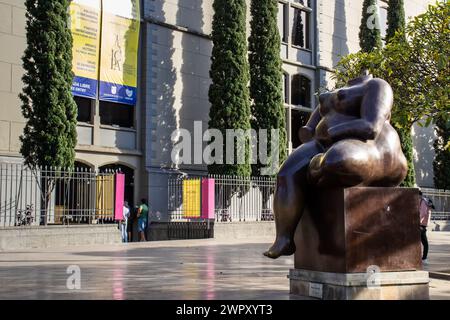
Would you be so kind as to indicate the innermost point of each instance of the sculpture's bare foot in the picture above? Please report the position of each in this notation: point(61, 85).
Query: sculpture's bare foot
point(281, 247)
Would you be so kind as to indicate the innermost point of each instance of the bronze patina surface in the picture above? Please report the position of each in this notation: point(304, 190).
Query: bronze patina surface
point(347, 142)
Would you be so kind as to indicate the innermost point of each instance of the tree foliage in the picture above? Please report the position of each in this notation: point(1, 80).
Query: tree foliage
point(418, 69)
point(369, 30)
point(396, 25)
point(416, 64)
point(404, 133)
point(229, 93)
point(49, 136)
point(441, 164)
point(266, 75)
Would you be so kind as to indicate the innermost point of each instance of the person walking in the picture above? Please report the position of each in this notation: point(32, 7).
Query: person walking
point(425, 213)
point(142, 219)
point(124, 222)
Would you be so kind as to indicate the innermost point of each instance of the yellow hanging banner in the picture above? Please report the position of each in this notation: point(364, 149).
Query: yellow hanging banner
point(191, 198)
point(120, 45)
point(85, 20)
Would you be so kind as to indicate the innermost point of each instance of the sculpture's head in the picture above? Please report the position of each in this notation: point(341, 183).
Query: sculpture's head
point(327, 96)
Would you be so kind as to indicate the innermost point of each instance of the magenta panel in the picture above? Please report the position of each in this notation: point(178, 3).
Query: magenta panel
point(208, 200)
point(119, 198)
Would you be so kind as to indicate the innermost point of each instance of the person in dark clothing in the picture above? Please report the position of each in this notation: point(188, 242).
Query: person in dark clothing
point(425, 213)
point(131, 221)
point(142, 216)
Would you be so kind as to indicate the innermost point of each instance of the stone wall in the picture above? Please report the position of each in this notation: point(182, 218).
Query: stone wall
point(57, 236)
point(12, 38)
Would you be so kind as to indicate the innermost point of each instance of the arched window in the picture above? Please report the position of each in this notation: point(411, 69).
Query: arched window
point(129, 180)
point(301, 91)
point(72, 197)
point(299, 118)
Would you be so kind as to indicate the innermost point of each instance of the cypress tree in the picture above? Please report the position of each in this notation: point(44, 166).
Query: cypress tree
point(229, 93)
point(408, 150)
point(266, 87)
point(395, 18)
point(441, 164)
point(369, 31)
point(49, 136)
point(396, 22)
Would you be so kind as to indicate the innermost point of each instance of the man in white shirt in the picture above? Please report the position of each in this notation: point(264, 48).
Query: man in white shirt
point(124, 222)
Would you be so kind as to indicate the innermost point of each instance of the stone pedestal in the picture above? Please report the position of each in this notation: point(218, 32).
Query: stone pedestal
point(404, 285)
point(347, 234)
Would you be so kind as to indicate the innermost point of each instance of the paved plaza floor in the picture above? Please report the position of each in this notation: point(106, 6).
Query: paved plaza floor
point(194, 269)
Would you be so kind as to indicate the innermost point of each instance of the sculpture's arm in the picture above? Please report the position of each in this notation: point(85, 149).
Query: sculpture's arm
point(375, 110)
point(306, 133)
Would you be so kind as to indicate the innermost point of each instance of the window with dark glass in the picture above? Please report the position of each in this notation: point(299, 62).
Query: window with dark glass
point(306, 3)
point(298, 120)
point(301, 91)
point(285, 87)
point(84, 107)
point(282, 21)
point(116, 114)
point(300, 28)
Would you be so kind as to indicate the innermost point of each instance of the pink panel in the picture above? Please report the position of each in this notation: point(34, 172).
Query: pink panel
point(208, 200)
point(119, 198)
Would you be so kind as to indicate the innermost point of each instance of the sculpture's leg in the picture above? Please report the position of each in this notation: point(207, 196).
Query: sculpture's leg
point(289, 198)
point(288, 209)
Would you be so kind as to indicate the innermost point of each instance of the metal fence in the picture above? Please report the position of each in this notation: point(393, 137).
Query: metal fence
point(54, 196)
point(179, 208)
point(441, 201)
point(251, 199)
point(243, 199)
point(236, 198)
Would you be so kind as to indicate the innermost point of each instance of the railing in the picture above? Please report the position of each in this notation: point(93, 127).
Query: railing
point(250, 199)
point(441, 201)
point(45, 196)
point(236, 198)
point(243, 199)
point(184, 198)
point(177, 230)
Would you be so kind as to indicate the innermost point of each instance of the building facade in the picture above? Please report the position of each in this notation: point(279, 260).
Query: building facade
point(173, 82)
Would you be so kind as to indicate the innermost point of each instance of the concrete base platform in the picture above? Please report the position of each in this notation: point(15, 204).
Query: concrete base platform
point(244, 230)
point(404, 285)
point(58, 236)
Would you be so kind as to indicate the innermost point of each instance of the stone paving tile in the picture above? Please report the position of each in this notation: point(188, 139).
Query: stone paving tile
point(195, 269)
point(439, 256)
point(147, 271)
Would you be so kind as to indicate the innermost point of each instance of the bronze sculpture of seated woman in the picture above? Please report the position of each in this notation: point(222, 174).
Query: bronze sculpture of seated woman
point(348, 141)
